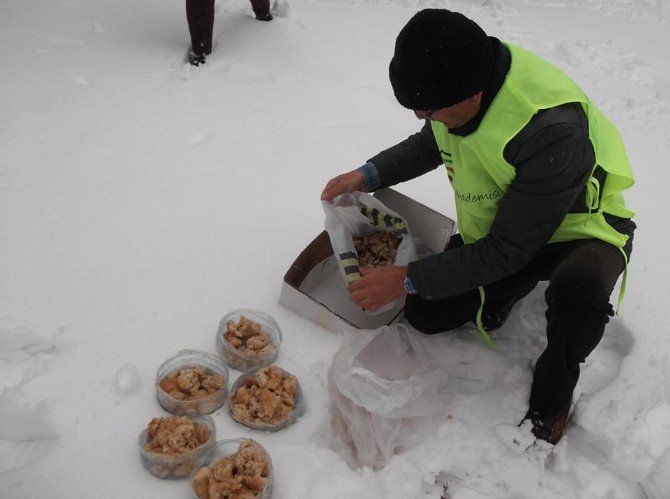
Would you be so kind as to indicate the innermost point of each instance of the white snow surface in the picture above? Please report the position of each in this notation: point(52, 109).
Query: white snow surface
point(141, 199)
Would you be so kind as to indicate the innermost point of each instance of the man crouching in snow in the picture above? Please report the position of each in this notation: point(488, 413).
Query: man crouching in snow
point(537, 172)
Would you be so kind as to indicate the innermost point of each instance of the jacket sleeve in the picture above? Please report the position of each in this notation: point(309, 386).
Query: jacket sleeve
point(553, 158)
point(414, 156)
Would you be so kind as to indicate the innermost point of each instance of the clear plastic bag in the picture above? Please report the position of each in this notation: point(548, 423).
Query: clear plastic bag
point(386, 394)
point(361, 214)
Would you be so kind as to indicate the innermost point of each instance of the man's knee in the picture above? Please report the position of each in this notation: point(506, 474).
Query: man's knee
point(587, 277)
point(420, 323)
point(577, 287)
point(431, 317)
point(578, 310)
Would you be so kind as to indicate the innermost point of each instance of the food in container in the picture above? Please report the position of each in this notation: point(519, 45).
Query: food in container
point(192, 382)
point(171, 447)
point(248, 339)
point(268, 399)
point(239, 468)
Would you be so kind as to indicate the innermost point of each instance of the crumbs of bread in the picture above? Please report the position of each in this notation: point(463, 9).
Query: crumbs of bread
point(175, 435)
point(193, 383)
point(247, 337)
point(243, 474)
point(268, 397)
point(377, 249)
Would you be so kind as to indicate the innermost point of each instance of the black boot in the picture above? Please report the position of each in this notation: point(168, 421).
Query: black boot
point(261, 10)
point(200, 17)
point(196, 58)
point(549, 428)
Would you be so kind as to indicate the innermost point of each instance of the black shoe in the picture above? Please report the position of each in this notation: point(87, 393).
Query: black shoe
point(264, 17)
point(196, 58)
point(549, 428)
point(496, 313)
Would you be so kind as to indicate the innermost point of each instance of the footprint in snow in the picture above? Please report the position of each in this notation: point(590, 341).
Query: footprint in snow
point(327, 124)
point(66, 41)
point(80, 80)
point(600, 369)
point(516, 438)
point(604, 363)
point(197, 138)
point(202, 110)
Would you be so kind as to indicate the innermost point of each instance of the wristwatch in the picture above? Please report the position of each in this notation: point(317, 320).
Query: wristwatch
point(409, 287)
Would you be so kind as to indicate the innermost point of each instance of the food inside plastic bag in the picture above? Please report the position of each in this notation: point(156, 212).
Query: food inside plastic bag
point(377, 249)
point(386, 394)
point(361, 216)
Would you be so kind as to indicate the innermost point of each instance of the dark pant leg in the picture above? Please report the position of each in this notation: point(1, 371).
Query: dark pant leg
point(437, 316)
point(261, 7)
point(578, 309)
point(200, 17)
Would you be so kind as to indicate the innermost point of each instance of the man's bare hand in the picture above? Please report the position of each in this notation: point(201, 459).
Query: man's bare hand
point(378, 286)
point(347, 182)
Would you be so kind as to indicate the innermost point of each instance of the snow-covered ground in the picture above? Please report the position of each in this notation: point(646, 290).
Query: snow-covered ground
point(141, 199)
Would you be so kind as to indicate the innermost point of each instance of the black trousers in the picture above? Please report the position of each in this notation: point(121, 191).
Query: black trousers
point(581, 276)
point(200, 18)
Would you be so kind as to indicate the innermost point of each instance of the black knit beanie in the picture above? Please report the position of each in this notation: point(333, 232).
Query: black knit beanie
point(441, 58)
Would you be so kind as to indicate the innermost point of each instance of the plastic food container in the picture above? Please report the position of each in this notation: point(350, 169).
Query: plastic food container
point(298, 405)
point(192, 358)
point(225, 448)
point(180, 465)
point(244, 361)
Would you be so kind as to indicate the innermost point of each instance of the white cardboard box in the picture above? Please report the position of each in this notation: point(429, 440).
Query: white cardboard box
point(314, 288)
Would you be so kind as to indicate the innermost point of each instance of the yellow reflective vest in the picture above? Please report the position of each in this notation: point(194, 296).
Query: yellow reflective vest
point(480, 175)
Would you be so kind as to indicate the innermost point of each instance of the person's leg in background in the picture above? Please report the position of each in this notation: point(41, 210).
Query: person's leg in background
point(261, 9)
point(200, 18)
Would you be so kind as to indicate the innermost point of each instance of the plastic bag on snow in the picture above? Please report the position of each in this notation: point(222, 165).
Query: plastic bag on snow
point(385, 394)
